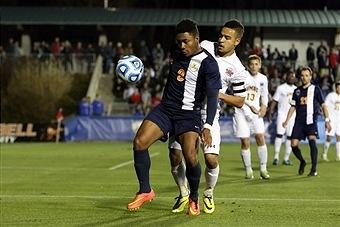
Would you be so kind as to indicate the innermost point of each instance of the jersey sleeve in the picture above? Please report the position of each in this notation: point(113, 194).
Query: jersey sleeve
point(238, 83)
point(213, 78)
point(318, 95)
point(277, 94)
point(294, 98)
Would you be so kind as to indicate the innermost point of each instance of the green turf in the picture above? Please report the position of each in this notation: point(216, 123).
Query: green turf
point(72, 185)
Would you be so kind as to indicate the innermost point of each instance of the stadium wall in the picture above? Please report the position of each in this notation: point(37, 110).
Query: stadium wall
point(124, 128)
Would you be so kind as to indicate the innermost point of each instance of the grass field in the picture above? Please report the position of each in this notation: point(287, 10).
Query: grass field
point(89, 184)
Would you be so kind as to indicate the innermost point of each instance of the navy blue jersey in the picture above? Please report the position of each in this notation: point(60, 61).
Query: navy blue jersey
point(307, 102)
point(189, 79)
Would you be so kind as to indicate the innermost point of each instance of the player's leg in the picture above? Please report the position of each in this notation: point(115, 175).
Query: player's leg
point(190, 143)
point(242, 131)
point(337, 147)
point(262, 152)
point(212, 169)
point(288, 147)
point(278, 139)
point(147, 134)
point(178, 173)
point(313, 155)
point(326, 148)
point(297, 135)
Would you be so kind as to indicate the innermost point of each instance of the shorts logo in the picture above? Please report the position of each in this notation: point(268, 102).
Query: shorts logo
point(181, 75)
point(297, 92)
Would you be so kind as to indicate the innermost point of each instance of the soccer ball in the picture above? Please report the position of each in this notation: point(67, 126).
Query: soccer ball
point(130, 68)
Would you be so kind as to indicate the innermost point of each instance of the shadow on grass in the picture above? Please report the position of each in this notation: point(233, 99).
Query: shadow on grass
point(156, 213)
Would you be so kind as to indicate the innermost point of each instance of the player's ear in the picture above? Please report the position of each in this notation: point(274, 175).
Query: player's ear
point(237, 41)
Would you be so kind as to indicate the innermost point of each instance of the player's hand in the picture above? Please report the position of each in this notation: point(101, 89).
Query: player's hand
point(262, 111)
point(328, 126)
point(206, 137)
point(284, 124)
point(254, 110)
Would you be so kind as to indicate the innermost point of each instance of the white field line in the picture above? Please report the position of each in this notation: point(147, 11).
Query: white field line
point(166, 198)
point(130, 162)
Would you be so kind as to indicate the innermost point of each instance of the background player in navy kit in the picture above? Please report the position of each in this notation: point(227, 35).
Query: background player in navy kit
point(193, 76)
point(306, 100)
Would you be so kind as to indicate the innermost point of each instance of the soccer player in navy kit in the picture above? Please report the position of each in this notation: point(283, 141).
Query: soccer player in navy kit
point(306, 100)
point(193, 76)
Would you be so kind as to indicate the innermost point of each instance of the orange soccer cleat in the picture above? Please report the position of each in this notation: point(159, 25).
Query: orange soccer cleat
point(194, 208)
point(140, 199)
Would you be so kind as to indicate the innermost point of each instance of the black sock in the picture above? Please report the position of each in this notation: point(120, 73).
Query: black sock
point(297, 153)
point(142, 167)
point(193, 175)
point(313, 154)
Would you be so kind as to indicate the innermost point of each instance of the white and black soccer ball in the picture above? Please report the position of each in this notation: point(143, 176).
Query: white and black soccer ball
point(130, 68)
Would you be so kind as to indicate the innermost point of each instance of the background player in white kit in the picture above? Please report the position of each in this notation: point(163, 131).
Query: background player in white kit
point(333, 104)
point(249, 118)
point(282, 98)
point(233, 74)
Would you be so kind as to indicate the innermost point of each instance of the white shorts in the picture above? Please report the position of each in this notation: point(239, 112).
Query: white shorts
point(280, 130)
point(245, 126)
point(216, 140)
point(335, 124)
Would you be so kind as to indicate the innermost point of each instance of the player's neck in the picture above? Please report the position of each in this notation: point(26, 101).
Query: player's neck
point(306, 85)
point(227, 54)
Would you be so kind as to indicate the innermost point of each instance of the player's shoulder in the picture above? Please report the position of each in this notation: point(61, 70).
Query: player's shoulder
point(209, 46)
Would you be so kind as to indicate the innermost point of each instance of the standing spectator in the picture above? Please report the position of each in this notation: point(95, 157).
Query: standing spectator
point(67, 56)
point(146, 98)
point(321, 55)
point(90, 56)
point(129, 49)
point(108, 54)
point(333, 62)
point(158, 54)
point(293, 56)
point(310, 55)
point(144, 52)
point(9, 49)
point(56, 47)
point(2, 55)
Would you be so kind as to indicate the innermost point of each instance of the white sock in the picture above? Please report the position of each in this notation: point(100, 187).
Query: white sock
point(263, 156)
point(178, 172)
point(211, 176)
point(337, 148)
point(288, 150)
point(326, 147)
point(277, 147)
point(246, 158)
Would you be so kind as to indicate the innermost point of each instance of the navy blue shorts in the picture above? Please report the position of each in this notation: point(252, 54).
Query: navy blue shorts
point(175, 122)
point(301, 131)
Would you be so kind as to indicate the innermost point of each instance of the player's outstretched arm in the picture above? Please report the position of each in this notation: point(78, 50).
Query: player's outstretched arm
point(236, 101)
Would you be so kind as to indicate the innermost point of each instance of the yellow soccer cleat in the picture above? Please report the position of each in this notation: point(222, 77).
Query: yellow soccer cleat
point(208, 204)
point(180, 204)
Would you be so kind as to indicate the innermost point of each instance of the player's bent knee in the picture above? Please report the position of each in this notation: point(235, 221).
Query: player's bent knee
point(139, 143)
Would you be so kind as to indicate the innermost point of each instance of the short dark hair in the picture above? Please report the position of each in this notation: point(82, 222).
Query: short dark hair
point(337, 83)
point(187, 25)
point(236, 25)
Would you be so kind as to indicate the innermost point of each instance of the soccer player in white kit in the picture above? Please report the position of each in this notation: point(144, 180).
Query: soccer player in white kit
point(333, 104)
point(282, 98)
point(249, 118)
point(233, 74)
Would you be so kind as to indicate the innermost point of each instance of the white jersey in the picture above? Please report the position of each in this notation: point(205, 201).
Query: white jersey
point(283, 97)
point(333, 105)
point(256, 94)
point(332, 102)
point(233, 73)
